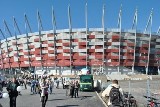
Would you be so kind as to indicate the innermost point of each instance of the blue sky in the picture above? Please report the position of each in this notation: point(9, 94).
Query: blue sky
point(17, 8)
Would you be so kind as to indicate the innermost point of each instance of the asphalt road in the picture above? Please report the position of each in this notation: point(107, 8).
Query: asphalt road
point(57, 99)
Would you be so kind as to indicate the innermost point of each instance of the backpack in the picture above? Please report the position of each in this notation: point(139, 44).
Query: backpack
point(115, 96)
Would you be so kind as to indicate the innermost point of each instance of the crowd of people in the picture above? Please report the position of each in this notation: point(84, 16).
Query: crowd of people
point(41, 85)
point(44, 86)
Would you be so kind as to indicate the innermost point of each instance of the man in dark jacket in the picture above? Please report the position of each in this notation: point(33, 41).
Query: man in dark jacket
point(12, 90)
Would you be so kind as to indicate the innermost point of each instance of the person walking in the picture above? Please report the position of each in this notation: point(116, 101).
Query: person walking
point(76, 89)
point(33, 86)
point(12, 90)
point(114, 94)
point(25, 83)
point(44, 92)
point(57, 81)
point(1, 86)
point(72, 89)
point(50, 84)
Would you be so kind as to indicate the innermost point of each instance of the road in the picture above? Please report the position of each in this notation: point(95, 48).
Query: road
point(57, 99)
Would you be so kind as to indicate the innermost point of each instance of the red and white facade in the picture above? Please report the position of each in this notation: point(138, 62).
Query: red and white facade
point(64, 49)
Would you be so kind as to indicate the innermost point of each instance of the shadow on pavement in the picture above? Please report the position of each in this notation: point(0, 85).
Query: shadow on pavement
point(59, 93)
point(68, 106)
point(55, 99)
point(84, 97)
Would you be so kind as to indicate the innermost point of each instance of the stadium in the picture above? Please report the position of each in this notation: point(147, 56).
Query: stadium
point(107, 50)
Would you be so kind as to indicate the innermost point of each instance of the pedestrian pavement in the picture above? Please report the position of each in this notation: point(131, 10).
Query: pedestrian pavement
point(57, 99)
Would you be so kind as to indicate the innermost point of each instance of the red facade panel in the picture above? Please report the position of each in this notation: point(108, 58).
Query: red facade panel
point(79, 63)
point(66, 50)
point(91, 36)
point(82, 43)
point(66, 44)
point(75, 40)
point(15, 64)
point(91, 50)
point(114, 50)
point(115, 37)
point(130, 44)
point(51, 45)
point(145, 45)
point(50, 51)
point(114, 57)
point(50, 35)
point(36, 40)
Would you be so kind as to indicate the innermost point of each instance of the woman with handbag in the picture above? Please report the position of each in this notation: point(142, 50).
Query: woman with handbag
point(44, 92)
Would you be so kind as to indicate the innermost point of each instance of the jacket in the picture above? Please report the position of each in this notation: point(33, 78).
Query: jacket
point(12, 89)
point(106, 92)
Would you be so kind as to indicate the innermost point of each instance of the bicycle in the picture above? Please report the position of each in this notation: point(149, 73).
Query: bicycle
point(152, 102)
point(129, 100)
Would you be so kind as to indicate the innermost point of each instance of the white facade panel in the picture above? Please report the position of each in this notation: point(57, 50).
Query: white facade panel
point(26, 62)
point(25, 56)
point(99, 36)
point(24, 40)
point(66, 47)
point(65, 54)
point(99, 43)
point(50, 48)
point(91, 57)
point(82, 50)
point(44, 51)
point(50, 41)
point(44, 38)
point(98, 50)
point(75, 50)
point(38, 58)
point(21, 53)
point(25, 46)
point(9, 43)
point(4, 45)
point(66, 36)
point(16, 59)
point(115, 43)
point(74, 43)
point(50, 55)
point(33, 49)
point(59, 50)
point(36, 45)
point(44, 45)
point(58, 44)
point(51, 38)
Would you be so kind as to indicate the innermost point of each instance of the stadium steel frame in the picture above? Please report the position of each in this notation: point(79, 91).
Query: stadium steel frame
point(103, 58)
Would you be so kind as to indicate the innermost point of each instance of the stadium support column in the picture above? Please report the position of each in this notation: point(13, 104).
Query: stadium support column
point(7, 50)
point(120, 30)
point(54, 34)
point(6, 28)
point(16, 25)
point(70, 30)
point(149, 23)
point(86, 19)
point(134, 27)
point(40, 28)
point(29, 55)
point(2, 59)
point(157, 56)
point(103, 14)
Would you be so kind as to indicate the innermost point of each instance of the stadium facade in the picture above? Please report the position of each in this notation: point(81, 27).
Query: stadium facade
point(110, 49)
